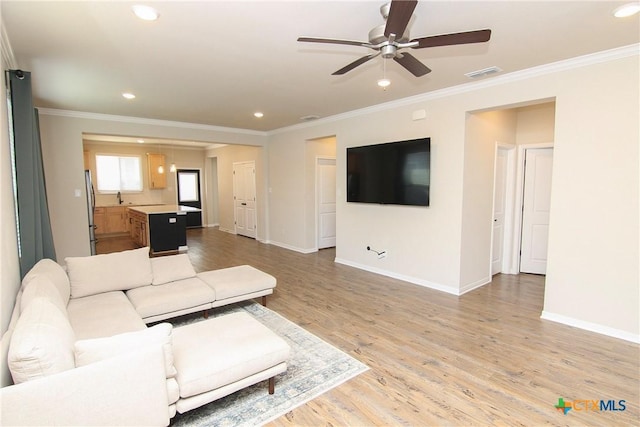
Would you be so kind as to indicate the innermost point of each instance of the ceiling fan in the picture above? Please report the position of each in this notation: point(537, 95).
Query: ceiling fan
point(388, 39)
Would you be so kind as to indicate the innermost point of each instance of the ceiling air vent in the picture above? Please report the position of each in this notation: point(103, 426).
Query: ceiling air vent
point(484, 72)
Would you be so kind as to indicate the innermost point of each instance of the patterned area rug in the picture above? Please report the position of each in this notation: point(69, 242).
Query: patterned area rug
point(314, 368)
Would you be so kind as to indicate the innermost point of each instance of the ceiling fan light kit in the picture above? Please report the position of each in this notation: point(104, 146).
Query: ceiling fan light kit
point(384, 39)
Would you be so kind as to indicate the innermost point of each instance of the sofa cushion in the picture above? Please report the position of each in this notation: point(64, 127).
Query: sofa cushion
point(170, 297)
point(103, 315)
point(116, 271)
point(55, 273)
point(42, 342)
point(41, 286)
point(248, 347)
point(234, 281)
point(97, 349)
point(171, 268)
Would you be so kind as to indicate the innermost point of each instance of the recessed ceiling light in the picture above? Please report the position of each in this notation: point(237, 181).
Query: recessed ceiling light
point(146, 13)
point(384, 82)
point(128, 95)
point(628, 9)
point(258, 114)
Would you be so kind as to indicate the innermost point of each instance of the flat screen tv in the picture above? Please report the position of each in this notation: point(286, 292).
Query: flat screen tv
point(395, 173)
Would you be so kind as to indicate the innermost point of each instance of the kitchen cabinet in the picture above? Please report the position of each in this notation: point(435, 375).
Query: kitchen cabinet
point(110, 220)
point(161, 227)
point(157, 171)
point(138, 227)
point(116, 219)
point(100, 221)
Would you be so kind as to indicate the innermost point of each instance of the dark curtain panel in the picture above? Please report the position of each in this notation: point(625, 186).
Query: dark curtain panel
point(34, 227)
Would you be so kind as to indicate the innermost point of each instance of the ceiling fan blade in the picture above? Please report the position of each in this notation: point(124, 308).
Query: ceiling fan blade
point(466, 37)
point(399, 15)
point(412, 64)
point(333, 41)
point(354, 64)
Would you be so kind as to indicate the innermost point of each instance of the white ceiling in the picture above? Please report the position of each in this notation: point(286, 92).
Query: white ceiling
point(217, 62)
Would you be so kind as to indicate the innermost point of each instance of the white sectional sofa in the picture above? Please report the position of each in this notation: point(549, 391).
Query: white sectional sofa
point(80, 352)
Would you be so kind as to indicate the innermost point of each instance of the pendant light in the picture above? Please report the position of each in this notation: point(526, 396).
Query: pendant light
point(160, 166)
point(172, 168)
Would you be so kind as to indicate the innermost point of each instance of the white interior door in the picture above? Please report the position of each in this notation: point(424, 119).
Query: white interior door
point(326, 190)
point(535, 210)
point(244, 198)
point(499, 208)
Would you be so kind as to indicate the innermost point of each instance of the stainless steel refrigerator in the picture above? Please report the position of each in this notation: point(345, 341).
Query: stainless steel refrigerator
point(91, 205)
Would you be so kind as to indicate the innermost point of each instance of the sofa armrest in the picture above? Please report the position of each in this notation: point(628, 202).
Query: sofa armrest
point(124, 390)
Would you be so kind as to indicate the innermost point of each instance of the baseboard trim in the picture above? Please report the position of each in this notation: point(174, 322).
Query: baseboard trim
point(290, 247)
point(474, 285)
point(592, 327)
point(409, 279)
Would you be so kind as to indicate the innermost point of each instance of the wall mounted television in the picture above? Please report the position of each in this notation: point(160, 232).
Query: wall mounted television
point(395, 173)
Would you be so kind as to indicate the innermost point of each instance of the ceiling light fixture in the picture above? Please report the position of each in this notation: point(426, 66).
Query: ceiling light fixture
point(626, 10)
point(141, 141)
point(146, 13)
point(172, 168)
point(384, 82)
point(258, 114)
point(128, 95)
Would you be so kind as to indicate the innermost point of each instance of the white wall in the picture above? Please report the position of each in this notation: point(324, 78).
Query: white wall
point(61, 134)
point(592, 273)
point(593, 257)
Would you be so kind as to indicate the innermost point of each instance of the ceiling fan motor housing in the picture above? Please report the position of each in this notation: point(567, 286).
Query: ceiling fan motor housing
point(389, 51)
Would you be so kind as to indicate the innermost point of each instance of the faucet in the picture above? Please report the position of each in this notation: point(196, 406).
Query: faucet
point(119, 196)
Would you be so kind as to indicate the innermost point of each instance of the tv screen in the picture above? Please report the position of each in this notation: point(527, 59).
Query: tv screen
point(394, 173)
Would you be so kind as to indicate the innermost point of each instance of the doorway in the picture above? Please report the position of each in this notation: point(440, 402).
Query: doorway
point(503, 207)
point(326, 202)
point(188, 188)
point(244, 198)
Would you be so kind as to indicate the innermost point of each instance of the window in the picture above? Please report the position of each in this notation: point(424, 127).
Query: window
point(118, 173)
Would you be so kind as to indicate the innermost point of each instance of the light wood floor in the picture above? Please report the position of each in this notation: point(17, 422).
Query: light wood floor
point(485, 358)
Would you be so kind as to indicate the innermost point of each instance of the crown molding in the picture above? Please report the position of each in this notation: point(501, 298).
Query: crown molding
point(8, 58)
point(146, 121)
point(541, 70)
point(554, 67)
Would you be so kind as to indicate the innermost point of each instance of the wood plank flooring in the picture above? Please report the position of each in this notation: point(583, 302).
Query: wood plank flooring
point(485, 358)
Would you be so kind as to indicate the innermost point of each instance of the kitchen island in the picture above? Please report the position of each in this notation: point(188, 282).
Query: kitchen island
point(161, 227)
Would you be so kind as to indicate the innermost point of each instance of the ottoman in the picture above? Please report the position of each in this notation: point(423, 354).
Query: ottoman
point(238, 284)
point(219, 356)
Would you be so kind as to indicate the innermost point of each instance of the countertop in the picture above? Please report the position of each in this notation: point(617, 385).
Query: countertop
point(160, 209)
